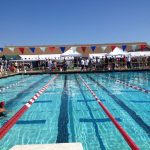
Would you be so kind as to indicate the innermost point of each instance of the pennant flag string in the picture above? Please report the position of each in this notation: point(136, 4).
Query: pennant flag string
point(62, 49)
point(134, 47)
point(124, 47)
point(113, 47)
point(93, 48)
point(42, 49)
point(1, 49)
point(21, 50)
point(74, 49)
point(32, 49)
point(51, 49)
point(103, 48)
point(143, 46)
point(11, 49)
point(83, 49)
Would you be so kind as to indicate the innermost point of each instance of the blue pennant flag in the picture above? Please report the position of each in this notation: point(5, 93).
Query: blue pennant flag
point(32, 49)
point(1, 49)
point(62, 49)
point(93, 48)
point(124, 47)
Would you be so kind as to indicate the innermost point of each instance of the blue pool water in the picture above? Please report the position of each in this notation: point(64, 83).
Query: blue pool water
point(67, 112)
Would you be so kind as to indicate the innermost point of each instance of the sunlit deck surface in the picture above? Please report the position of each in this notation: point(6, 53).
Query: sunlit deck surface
point(61, 146)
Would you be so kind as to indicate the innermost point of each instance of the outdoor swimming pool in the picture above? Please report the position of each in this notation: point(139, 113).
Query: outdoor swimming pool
point(67, 112)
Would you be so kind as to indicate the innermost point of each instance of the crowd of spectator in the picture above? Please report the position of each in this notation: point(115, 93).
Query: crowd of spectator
point(112, 63)
point(83, 64)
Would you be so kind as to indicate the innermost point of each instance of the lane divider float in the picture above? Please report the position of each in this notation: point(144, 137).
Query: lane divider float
point(129, 85)
point(12, 85)
point(125, 135)
point(9, 124)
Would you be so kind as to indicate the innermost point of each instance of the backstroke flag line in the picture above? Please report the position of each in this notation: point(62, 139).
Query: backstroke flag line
point(42, 49)
point(103, 48)
point(124, 47)
point(32, 49)
point(21, 50)
point(62, 49)
point(93, 48)
point(1, 49)
point(134, 47)
point(83, 49)
point(52, 49)
point(113, 47)
point(11, 49)
point(143, 46)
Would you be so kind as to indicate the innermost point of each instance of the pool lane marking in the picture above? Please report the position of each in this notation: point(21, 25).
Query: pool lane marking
point(125, 135)
point(63, 120)
point(25, 91)
point(95, 125)
point(118, 101)
point(130, 85)
point(12, 85)
point(9, 124)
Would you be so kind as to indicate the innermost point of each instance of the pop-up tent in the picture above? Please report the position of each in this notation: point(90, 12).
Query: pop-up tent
point(118, 52)
point(39, 57)
point(72, 52)
point(138, 54)
point(100, 55)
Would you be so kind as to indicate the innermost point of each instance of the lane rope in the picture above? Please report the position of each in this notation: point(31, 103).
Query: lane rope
point(125, 135)
point(129, 85)
point(13, 85)
point(9, 124)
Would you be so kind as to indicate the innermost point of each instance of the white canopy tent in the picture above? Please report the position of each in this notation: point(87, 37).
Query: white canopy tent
point(42, 57)
point(137, 54)
point(100, 55)
point(72, 52)
point(39, 57)
point(118, 52)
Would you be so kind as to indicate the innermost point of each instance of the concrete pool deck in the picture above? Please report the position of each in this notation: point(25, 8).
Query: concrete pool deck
point(70, 72)
point(59, 146)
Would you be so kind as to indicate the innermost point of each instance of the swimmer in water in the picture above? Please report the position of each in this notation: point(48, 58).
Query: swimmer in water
point(2, 109)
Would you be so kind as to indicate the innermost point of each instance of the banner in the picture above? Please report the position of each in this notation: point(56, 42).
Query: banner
point(1, 49)
point(32, 49)
point(52, 49)
point(93, 48)
point(62, 49)
point(113, 47)
point(43, 49)
point(11, 49)
point(124, 47)
point(134, 47)
point(103, 48)
point(143, 46)
point(83, 49)
point(21, 50)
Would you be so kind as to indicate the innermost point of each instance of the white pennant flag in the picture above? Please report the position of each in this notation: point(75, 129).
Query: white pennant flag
point(103, 48)
point(134, 47)
point(11, 49)
point(43, 49)
point(73, 49)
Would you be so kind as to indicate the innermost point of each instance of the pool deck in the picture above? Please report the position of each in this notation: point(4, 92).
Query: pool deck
point(60, 146)
point(70, 72)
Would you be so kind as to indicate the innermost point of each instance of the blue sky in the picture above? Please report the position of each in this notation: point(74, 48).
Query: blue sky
point(36, 22)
